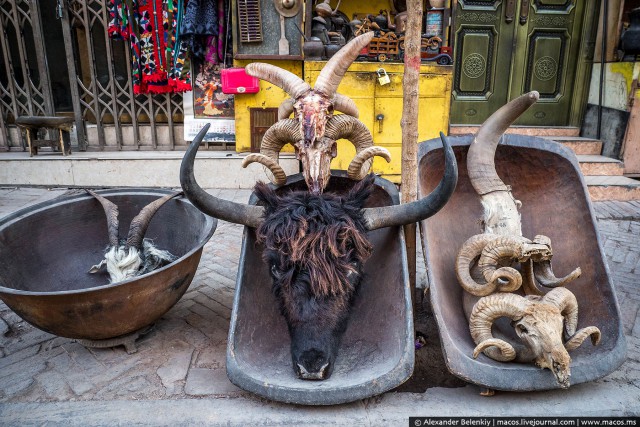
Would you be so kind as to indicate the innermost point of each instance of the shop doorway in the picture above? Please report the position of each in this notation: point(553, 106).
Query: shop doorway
point(504, 48)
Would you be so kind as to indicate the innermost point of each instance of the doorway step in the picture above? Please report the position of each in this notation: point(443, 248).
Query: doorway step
point(604, 176)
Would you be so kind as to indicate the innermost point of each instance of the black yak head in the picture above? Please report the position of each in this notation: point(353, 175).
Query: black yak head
point(315, 247)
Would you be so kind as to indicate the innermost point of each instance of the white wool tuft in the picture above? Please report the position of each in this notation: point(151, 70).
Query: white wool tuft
point(122, 264)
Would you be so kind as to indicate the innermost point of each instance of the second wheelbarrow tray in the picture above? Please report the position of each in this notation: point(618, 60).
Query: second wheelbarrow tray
point(376, 353)
point(546, 178)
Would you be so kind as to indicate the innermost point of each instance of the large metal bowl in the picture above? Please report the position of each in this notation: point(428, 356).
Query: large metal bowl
point(47, 250)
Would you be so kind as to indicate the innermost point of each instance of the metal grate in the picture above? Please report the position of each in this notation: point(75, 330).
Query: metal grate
point(250, 21)
point(108, 115)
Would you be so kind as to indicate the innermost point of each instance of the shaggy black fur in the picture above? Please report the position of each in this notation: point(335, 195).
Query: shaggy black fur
point(315, 246)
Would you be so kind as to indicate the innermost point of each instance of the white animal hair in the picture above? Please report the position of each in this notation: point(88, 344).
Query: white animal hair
point(124, 263)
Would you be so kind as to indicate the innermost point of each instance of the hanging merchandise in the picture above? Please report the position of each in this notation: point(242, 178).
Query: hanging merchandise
point(200, 26)
point(159, 58)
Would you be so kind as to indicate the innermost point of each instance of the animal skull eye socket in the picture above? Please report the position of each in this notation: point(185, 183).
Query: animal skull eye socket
point(522, 329)
point(330, 109)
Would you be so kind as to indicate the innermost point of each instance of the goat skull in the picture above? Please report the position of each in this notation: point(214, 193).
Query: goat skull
point(313, 112)
point(135, 255)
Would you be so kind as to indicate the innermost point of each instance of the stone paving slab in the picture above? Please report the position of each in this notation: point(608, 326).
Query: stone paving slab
point(177, 376)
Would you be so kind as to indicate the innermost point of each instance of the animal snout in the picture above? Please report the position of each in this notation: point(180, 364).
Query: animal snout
point(313, 365)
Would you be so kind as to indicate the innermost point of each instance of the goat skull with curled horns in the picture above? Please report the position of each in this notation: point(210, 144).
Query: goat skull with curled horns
point(314, 129)
point(538, 322)
point(502, 242)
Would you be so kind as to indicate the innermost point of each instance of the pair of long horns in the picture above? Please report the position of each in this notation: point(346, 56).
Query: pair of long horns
point(337, 127)
point(139, 223)
point(513, 306)
point(327, 82)
point(252, 216)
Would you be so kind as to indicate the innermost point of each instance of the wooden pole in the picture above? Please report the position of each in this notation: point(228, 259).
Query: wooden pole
point(409, 123)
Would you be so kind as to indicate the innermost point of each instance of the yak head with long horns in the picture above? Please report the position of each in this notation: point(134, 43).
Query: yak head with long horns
point(314, 130)
point(315, 247)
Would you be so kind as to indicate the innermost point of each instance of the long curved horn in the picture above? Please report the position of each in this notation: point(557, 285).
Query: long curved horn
point(470, 251)
point(284, 79)
point(279, 176)
point(566, 302)
point(278, 135)
point(501, 214)
point(345, 105)
point(389, 216)
point(576, 340)
point(361, 163)
point(238, 213)
point(544, 274)
point(484, 313)
point(140, 222)
point(480, 160)
point(285, 109)
point(111, 212)
point(333, 72)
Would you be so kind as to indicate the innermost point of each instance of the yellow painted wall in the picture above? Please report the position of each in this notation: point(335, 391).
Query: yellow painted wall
point(269, 96)
point(361, 84)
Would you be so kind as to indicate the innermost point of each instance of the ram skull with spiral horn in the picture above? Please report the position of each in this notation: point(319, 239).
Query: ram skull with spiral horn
point(314, 130)
point(502, 243)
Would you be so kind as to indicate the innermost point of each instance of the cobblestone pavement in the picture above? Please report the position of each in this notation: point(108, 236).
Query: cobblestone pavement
point(183, 359)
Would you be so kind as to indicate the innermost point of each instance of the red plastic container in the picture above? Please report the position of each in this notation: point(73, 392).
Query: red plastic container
point(237, 81)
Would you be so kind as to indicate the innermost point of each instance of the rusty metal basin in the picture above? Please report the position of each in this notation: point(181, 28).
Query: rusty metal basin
point(377, 351)
point(47, 249)
point(546, 177)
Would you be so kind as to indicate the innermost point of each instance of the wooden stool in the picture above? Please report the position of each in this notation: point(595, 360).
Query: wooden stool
point(33, 123)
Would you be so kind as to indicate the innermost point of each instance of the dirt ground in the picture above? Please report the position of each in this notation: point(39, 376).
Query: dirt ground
point(430, 369)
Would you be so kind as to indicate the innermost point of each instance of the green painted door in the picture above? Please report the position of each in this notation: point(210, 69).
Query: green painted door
point(504, 48)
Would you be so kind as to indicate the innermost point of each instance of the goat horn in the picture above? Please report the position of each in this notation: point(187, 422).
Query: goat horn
point(278, 135)
point(333, 72)
point(501, 215)
point(469, 252)
point(361, 163)
point(284, 79)
point(544, 274)
point(238, 213)
point(576, 340)
point(140, 222)
point(507, 352)
point(480, 159)
point(406, 213)
point(345, 105)
point(529, 284)
point(484, 313)
point(566, 302)
point(278, 173)
point(499, 249)
point(348, 127)
point(285, 109)
point(111, 212)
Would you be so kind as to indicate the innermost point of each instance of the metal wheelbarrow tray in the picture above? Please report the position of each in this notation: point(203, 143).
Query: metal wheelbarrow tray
point(47, 249)
point(377, 351)
point(546, 177)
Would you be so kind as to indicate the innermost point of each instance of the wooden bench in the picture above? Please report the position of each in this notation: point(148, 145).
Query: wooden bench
point(33, 123)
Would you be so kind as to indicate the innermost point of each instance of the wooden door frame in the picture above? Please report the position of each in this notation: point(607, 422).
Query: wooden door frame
point(584, 64)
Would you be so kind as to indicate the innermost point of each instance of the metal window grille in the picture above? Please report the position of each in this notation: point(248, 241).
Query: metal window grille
point(38, 38)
